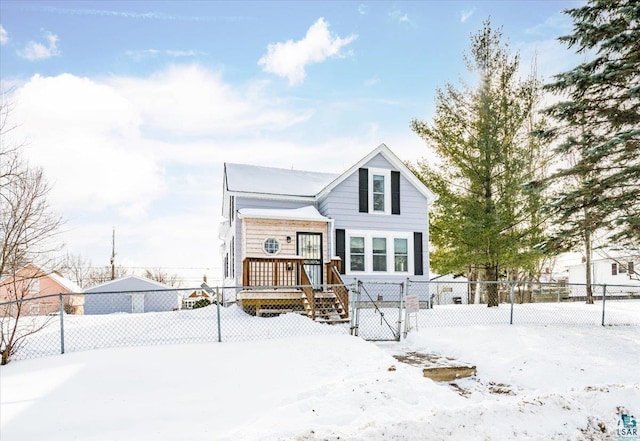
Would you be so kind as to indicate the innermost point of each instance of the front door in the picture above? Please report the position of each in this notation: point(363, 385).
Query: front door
point(310, 248)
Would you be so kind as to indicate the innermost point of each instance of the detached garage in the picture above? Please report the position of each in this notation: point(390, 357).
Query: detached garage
point(131, 294)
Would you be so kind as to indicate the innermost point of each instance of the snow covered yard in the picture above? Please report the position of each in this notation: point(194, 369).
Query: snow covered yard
point(533, 382)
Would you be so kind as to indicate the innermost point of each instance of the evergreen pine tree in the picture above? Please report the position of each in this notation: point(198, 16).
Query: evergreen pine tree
point(483, 223)
point(598, 125)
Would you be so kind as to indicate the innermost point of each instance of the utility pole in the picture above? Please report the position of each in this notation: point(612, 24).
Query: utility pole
point(113, 254)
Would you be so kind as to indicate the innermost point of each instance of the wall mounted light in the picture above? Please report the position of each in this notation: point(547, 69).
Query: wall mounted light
point(288, 239)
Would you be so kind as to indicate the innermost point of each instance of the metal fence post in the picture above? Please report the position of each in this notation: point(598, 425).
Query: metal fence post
point(356, 310)
point(604, 297)
point(403, 287)
point(511, 295)
point(61, 324)
point(218, 312)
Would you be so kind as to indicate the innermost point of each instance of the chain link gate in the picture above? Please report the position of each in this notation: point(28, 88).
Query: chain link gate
point(377, 310)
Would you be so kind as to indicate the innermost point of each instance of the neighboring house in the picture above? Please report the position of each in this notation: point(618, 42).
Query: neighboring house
point(195, 296)
point(289, 227)
point(31, 282)
point(132, 294)
point(449, 289)
point(623, 270)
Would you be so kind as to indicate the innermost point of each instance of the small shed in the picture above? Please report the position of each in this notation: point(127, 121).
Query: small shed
point(131, 294)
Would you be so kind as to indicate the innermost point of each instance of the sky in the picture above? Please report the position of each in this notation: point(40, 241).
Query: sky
point(132, 108)
point(533, 381)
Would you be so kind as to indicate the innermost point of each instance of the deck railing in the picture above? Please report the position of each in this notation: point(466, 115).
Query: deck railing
point(289, 271)
point(271, 271)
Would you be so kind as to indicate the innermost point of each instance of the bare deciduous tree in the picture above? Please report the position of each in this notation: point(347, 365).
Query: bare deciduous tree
point(76, 267)
point(27, 231)
point(159, 275)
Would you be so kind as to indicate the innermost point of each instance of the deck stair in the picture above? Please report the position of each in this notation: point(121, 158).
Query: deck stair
point(328, 308)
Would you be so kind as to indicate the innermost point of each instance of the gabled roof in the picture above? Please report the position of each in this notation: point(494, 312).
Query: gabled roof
point(143, 280)
point(297, 184)
point(244, 178)
point(65, 283)
point(38, 272)
point(383, 150)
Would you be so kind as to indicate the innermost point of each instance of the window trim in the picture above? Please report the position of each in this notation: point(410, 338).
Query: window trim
point(34, 286)
point(264, 248)
point(369, 235)
point(386, 174)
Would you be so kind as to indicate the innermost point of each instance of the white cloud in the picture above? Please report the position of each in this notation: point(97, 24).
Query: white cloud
point(114, 144)
point(290, 58)
point(4, 36)
point(191, 100)
point(363, 9)
point(466, 15)
point(398, 16)
point(38, 51)
point(85, 135)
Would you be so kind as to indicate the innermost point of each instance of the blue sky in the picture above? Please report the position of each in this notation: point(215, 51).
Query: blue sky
point(132, 108)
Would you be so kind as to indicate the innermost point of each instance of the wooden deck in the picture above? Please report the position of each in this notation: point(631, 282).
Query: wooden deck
point(274, 286)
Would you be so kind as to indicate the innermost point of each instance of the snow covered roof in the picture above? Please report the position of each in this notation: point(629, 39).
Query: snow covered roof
point(130, 283)
point(268, 180)
point(308, 213)
point(64, 282)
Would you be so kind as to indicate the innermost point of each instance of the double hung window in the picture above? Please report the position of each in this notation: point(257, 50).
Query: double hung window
point(379, 252)
point(356, 251)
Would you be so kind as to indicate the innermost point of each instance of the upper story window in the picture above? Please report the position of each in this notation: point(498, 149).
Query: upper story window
point(34, 286)
point(271, 246)
point(378, 191)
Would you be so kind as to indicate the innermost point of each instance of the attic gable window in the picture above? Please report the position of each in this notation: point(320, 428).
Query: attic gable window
point(379, 191)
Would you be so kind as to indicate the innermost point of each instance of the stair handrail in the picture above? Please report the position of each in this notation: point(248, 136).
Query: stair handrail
point(307, 289)
point(339, 288)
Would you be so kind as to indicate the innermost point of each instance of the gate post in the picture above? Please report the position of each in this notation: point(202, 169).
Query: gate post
point(604, 297)
point(355, 319)
point(218, 312)
point(403, 287)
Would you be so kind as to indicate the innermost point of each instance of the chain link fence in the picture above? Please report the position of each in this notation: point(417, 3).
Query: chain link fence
point(455, 303)
point(372, 310)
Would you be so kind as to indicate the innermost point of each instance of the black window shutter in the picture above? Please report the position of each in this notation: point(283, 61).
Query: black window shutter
point(631, 269)
point(417, 254)
point(614, 269)
point(363, 186)
point(395, 192)
point(340, 249)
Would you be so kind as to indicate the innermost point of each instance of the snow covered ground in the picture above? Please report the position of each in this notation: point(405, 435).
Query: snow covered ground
point(553, 382)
